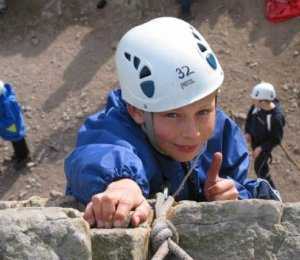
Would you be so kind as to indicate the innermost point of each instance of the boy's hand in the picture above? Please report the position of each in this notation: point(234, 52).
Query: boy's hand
point(216, 188)
point(112, 207)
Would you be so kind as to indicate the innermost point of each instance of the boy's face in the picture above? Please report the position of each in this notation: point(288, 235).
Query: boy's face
point(181, 133)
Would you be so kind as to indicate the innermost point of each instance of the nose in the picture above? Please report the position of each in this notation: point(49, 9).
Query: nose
point(190, 129)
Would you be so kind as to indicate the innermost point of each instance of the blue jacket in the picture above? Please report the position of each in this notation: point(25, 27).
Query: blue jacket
point(111, 146)
point(12, 126)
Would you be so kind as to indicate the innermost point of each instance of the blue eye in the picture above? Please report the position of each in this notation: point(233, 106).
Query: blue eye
point(172, 115)
point(204, 112)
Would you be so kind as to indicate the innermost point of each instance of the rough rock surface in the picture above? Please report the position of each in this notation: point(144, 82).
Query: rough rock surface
point(252, 229)
point(43, 233)
point(242, 230)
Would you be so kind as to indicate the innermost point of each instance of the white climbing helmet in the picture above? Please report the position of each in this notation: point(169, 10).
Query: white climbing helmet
point(165, 64)
point(263, 91)
point(2, 88)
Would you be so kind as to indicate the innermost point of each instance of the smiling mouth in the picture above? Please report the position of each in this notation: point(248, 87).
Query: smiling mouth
point(187, 148)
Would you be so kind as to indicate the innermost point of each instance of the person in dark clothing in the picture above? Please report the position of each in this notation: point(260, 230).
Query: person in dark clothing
point(264, 128)
point(12, 126)
point(101, 4)
point(3, 6)
point(185, 9)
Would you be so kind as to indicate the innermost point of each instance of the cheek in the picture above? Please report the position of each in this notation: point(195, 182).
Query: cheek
point(207, 128)
point(164, 132)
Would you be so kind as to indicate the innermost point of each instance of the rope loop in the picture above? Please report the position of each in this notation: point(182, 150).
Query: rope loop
point(164, 236)
point(162, 230)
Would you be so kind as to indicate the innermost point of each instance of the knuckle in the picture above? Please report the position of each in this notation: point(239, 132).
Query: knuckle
point(126, 202)
point(236, 194)
point(120, 216)
point(107, 198)
point(96, 198)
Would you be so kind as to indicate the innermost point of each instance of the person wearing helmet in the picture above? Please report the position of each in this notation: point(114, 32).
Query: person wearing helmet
point(101, 4)
point(185, 6)
point(12, 126)
point(264, 127)
point(3, 6)
point(162, 124)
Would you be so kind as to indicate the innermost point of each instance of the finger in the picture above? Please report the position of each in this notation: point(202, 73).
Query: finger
point(89, 214)
point(220, 187)
point(231, 194)
point(122, 213)
point(213, 172)
point(97, 209)
point(108, 208)
point(227, 191)
point(141, 213)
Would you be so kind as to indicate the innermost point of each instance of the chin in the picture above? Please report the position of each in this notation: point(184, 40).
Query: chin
point(183, 157)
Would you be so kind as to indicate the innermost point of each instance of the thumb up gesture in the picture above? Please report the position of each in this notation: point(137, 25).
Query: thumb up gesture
point(216, 188)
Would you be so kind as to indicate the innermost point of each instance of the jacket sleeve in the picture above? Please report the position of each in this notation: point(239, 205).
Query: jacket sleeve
point(276, 135)
point(91, 168)
point(6, 116)
point(247, 124)
point(11, 115)
point(235, 157)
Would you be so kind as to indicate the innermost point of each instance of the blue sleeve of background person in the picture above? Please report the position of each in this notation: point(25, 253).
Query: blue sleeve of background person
point(235, 153)
point(91, 168)
point(11, 114)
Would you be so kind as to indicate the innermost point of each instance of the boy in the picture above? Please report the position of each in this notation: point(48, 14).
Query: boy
point(12, 127)
point(264, 127)
point(160, 126)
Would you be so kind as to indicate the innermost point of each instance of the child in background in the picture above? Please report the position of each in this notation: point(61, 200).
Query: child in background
point(12, 127)
point(3, 6)
point(162, 125)
point(186, 9)
point(264, 127)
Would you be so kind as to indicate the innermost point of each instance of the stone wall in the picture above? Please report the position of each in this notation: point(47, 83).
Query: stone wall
point(251, 229)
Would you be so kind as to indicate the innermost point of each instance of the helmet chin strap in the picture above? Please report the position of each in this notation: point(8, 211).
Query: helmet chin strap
point(148, 128)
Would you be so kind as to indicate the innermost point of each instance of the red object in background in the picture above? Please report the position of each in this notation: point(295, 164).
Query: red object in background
point(282, 10)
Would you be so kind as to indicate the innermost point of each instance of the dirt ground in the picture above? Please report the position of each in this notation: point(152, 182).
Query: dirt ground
point(59, 56)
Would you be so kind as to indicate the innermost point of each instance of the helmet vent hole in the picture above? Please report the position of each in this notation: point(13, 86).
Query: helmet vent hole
point(136, 62)
point(148, 88)
point(145, 72)
point(196, 36)
point(127, 56)
point(202, 47)
point(211, 61)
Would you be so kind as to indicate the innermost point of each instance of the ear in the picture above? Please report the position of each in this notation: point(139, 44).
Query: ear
point(136, 114)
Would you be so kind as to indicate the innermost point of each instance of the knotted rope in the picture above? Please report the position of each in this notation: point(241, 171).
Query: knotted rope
point(164, 236)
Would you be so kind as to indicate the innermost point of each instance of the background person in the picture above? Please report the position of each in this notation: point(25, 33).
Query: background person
point(264, 127)
point(12, 126)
